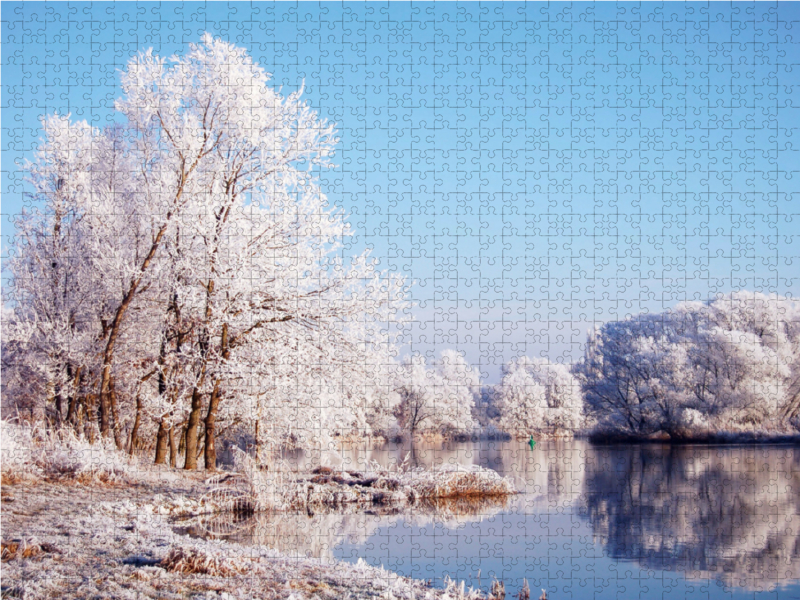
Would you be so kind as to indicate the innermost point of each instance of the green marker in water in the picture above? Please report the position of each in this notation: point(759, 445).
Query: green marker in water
point(531, 442)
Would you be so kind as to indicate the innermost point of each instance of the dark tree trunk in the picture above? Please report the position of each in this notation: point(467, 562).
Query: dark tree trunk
point(59, 401)
point(211, 424)
point(161, 442)
point(75, 399)
point(192, 430)
point(88, 404)
point(182, 443)
point(173, 448)
point(112, 396)
point(71, 408)
point(213, 405)
point(135, 429)
point(102, 411)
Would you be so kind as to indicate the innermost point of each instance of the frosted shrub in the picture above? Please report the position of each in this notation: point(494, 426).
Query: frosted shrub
point(33, 452)
point(15, 451)
point(693, 419)
point(262, 485)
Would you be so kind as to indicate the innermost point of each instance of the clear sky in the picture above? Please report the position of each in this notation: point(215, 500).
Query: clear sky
point(534, 167)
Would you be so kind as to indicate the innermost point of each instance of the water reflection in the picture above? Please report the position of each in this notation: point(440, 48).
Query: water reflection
point(727, 513)
point(553, 471)
point(621, 519)
point(317, 534)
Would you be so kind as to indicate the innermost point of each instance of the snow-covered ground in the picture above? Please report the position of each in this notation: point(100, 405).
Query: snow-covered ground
point(118, 541)
point(86, 521)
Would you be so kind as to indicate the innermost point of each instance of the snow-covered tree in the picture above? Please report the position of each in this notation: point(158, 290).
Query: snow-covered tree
point(184, 267)
point(536, 394)
point(730, 362)
point(438, 399)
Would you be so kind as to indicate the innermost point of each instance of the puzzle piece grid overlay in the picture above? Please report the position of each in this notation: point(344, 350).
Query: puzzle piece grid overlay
point(534, 168)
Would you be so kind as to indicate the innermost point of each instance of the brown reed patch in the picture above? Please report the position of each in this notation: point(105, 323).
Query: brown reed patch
point(195, 561)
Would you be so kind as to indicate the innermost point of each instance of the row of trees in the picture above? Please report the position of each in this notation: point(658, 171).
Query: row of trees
point(728, 365)
point(182, 269)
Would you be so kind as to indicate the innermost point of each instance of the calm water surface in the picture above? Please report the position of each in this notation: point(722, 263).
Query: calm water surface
point(592, 522)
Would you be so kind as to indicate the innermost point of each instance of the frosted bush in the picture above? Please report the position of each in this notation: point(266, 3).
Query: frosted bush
point(31, 451)
point(693, 419)
point(15, 446)
point(266, 483)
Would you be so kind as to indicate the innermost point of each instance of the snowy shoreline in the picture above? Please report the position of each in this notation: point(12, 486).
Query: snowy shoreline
point(113, 541)
point(85, 521)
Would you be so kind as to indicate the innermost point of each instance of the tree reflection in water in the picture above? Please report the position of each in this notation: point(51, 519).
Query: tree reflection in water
point(316, 535)
point(725, 513)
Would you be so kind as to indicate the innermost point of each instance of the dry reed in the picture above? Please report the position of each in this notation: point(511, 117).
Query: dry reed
point(197, 561)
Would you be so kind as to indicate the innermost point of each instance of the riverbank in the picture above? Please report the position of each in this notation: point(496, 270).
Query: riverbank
point(696, 437)
point(117, 540)
point(86, 521)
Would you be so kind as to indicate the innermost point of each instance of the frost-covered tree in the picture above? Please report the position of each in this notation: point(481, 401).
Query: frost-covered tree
point(536, 394)
point(73, 253)
point(438, 399)
point(183, 267)
point(728, 363)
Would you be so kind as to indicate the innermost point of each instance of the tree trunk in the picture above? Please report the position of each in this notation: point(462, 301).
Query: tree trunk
point(192, 430)
point(213, 405)
point(136, 422)
point(72, 399)
point(72, 408)
point(112, 396)
point(182, 443)
point(59, 402)
point(89, 405)
point(103, 407)
point(161, 442)
point(173, 448)
point(211, 423)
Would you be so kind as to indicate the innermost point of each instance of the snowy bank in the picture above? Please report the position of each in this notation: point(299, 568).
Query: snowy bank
point(84, 521)
point(79, 541)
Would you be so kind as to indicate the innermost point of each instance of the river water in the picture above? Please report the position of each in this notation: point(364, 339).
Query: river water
point(632, 521)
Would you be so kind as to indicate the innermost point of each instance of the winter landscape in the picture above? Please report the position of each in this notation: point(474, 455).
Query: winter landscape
point(209, 388)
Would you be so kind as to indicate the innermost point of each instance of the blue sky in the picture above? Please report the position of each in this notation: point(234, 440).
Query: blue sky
point(535, 168)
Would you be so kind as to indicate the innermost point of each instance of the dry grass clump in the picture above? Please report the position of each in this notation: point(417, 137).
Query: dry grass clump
point(25, 549)
point(192, 560)
point(457, 590)
point(447, 481)
point(466, 506)
point(497, 591)
point(460, 482)
point(8, 550)
point(395, 486)
point(9, 477)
